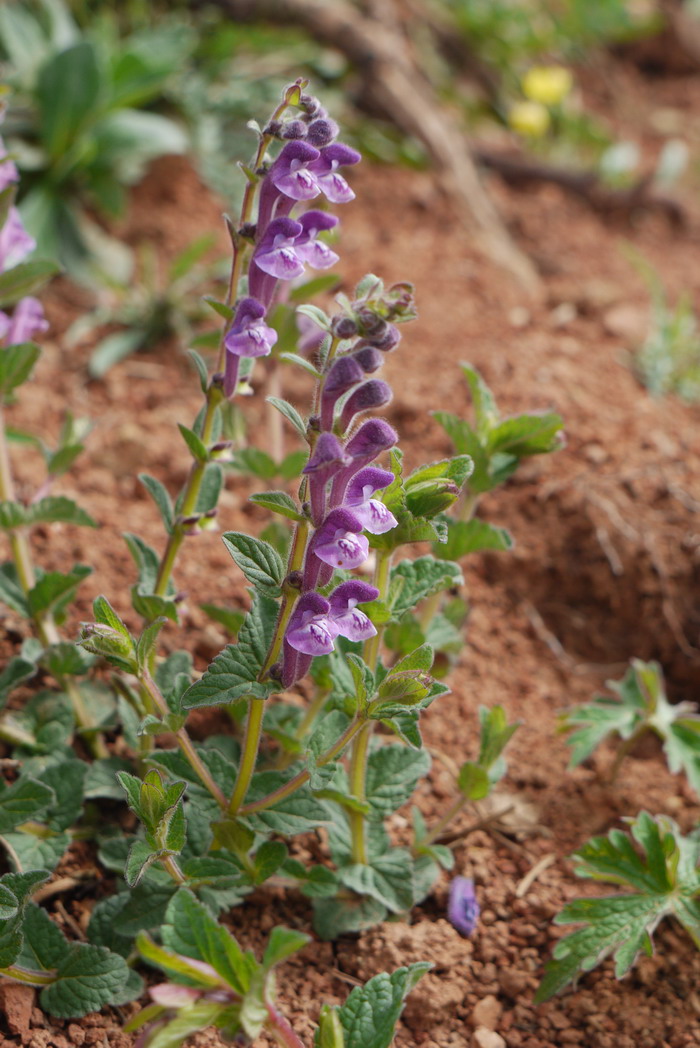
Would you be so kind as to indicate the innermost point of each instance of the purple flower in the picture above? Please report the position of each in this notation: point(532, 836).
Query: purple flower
point(369, 358)
point(331, 183)
point(15, 241)
point(311, 630)
point(310, 250)
point(346, 617)
point(248, 336)
point(372, 394)
point(27, 319)
point(325, 461)
point(290, 173)
point(322, 131)
point(374, 515)
point(276, 254)
point(373, 436)
point(338, 543)
point(344, 373)
point(463, 908)
point(344, 549)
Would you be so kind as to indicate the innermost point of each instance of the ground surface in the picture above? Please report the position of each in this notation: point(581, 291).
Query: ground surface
point(605, 568)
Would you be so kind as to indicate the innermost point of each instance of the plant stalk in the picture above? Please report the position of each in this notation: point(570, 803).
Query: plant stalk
point(249, 756)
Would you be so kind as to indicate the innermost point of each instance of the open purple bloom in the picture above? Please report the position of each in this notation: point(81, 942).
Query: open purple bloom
point(373, 514)
point(332, 184)
point(338, 543)
point(370, 395)
point(310, 250)
point(463, 908)
point(373, 436)
point(276, 254)
point(346, 617)
point(311, 630)
point(26, 321)
point(290, 172)
point(249, 336)
point(15, 241)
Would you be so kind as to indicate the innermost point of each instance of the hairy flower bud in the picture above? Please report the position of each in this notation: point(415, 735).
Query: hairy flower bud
point(368, 357)
point(295, 129)
point(371, 394)
point(343, 326)
point(322, 131)
point(343, 375)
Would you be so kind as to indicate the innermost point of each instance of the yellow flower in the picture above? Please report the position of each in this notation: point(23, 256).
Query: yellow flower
point(548, 85)
point(529, 118)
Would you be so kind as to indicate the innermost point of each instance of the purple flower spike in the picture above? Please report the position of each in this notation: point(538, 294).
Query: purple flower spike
point(373, 514)
point(26, 321)
point(332, 184)
point(344, 373)
point(310, 250)
point(346, 616)
point(290, 172)
point(327, 458)
point(275, 254)
point(463, 908)
point(15, 241)
point(310, 629)
point(372, 394)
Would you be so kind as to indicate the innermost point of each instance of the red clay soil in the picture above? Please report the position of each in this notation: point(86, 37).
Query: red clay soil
point(605, 568)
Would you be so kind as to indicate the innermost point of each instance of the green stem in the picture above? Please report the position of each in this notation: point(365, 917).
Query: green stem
point(44, 622)
point(358, 773)
point(469, 503)
point(443, 822)
point(626, 747)
point(249, 756)
point(168, 863)
point(189, 499)
point(184, 741)
point(28, 976)
point(282, 792)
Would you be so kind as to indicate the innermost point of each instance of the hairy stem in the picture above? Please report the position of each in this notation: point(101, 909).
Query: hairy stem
point(168, 863)
point(443, 822)
point(282, 792)
point(249, 756)
point(28, 976)
point(279, 1027)
point(184, 741)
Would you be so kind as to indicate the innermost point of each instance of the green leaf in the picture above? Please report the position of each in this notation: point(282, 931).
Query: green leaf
point(230, 618)
point(57, 508)
point(54, 590)
point(370, 1014)
point(467, 442)
point(527, 435)
point(666, 882)
point(335, 917)
point(299, 813)
point(388, 880)
point(160, 496)
point(268, 859)
point(114, 348)
point(191, 930)
point(13, 515)
point(87, 978)
point(235, 671)
point(16, 363)
point(392, 775)
point(292, 464)
point(303, 363)
point(21, 886)
point(219, 307)
point(254, 461)
point(25, 279)
point(11, 592)
point(259, 561)
point(21, 801)
point(65, 780)
point(473, 781)
point(290, 413)
point(202, 369)
point(16, 671)
point(471, 536)
point(210, 490)
point(194, 443)
point(414, 580)
point(277, 502)
point(147, 642)
point(496, 733)
point(484, 402)
point(69, 91)
point(283, 943)
point(140, 857)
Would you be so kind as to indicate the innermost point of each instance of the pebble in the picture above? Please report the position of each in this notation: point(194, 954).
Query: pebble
point(513, 981)
point(487, 1012)
point(485, 1038)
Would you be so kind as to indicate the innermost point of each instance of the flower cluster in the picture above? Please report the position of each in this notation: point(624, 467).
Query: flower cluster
point(15, 245)
point(341, 480)
point(306, 167)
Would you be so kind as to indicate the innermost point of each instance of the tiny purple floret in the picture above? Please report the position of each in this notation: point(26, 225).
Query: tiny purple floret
point(15, 241)
point(310, 629)
point(310, 250)
point(344, 613)
point(290, 172)
point(275, 255)
point(373, 514)
point(26, 321)
point(462, 907)
point(332, 184)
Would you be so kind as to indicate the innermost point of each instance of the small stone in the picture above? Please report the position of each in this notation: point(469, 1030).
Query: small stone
point(485, 1038)
point(627, 322)
point(513, 981)
point(16, 1003)
point(563, 314)
point(76, 1034)
point(487, 1012)
point(519, 317)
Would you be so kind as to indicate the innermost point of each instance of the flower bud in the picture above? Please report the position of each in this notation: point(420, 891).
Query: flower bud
point(387, 339)
point(311, 105)
point(371, 394)
point(343, 326)
point(295, 129)
point(322, 131)
point(274, 128)
point(368, 357)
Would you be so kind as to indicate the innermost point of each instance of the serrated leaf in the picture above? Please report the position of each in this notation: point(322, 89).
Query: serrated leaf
point(54, 590)
point(421, 578)
point(277, 502)
point(160, 496)
point(254, 461)
point(11, 593)
point(283, 943)
point(392, 775)
point(334, 917)
point(471, 536)
point(234, 672)
point(370, 1014)
point(58, 509)
point(259, 561)
point(21, 801)
point(298, 813)
point(290, 413)
point(191, 930)
point(527, 435)
point(666, 880)
point(65, 780)
point(87, 978)
point(388, 879)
